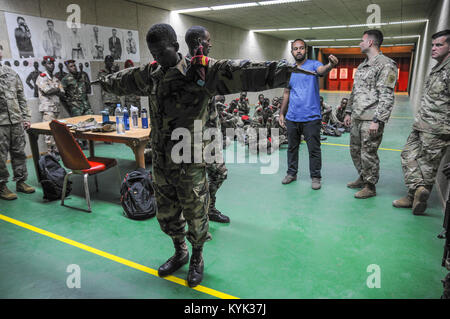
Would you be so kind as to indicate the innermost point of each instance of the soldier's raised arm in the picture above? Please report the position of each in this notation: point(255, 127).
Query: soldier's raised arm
point(135, 81)
point(234, 76)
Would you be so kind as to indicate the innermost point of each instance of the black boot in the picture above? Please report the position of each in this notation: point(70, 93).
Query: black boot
point(195, 274)
point(216, 216)
point(180, 258)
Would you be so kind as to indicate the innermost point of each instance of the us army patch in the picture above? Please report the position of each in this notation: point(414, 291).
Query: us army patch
point(391, 79)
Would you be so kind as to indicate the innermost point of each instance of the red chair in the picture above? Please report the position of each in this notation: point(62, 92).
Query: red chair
point(75, 160)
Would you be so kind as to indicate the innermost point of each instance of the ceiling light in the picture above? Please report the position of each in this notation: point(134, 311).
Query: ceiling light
point(266, 3)
point(317, 40)
point(353, 39)
point(192, 10)
point(294, 29)
point(234, 6)
point(265, 30)
point(329, 27)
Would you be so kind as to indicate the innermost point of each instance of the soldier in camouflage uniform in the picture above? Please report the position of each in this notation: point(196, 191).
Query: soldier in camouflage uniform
point(85, 78)
point(49, 88)
point(14, 118)
point(132, 99)
point(368, 110)
point(109, 100)
point(176, 101)
point(243, 106)
point(75, 91)
point(430, 135)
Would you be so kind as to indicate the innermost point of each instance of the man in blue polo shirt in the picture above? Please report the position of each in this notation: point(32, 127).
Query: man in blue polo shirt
point(301, 101)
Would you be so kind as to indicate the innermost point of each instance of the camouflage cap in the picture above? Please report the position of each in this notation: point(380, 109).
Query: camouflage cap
point(67, 62)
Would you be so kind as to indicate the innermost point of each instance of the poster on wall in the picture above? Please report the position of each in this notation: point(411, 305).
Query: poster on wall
point(343, 73)
point(333, 74)
point(35, 37)
point(29, 69)
point(354, 72)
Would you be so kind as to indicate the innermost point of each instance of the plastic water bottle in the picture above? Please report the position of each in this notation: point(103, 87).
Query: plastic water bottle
point(126, 119)
point(105, 115)
point(134, 116)
point(120, 128)
point(144, 118)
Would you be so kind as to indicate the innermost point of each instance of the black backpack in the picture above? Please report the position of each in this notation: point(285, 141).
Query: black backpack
point(52, 177)
point(137, 195)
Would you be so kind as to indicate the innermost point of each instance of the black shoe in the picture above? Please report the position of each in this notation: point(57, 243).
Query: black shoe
point(179, 259)
point(288, 179)
point(195, 274)
point(216, 216)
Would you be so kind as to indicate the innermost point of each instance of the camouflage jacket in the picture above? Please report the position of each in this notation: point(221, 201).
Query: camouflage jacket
point(108, 97)
point(177, 102)
point(13, 105)
point(243, 106)
point(48, 103)
point(433, 114)
point(373, 89)
point(74, 88)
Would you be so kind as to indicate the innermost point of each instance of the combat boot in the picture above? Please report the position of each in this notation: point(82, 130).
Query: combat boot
point(195, 274)
point(420, 200)
point(404, 202)
point(24, 188)
point(216, 216)
point(5, 193)
point(358, 183)
point(179, 259)
point(369, 190)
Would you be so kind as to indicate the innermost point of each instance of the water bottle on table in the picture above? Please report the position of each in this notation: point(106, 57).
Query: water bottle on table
point(120, 127)
point(144, 118)
point(134, 116)
point(126, 119)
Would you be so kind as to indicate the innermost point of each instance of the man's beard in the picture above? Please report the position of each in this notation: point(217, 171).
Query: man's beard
point(300, 59)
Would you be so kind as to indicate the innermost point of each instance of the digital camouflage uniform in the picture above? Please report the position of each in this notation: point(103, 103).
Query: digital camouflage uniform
point(109, 100)
point(430, 135)
point(13, 112)
point(49, 105)
point(372, 97)
point(76, 95)
point(217, 171)
point(243, 106)
point(181, 189)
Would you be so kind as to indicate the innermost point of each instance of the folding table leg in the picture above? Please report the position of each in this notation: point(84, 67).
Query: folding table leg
point(63, 195)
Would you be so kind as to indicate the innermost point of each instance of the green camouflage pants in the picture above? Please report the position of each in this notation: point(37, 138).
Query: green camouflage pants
point(181, 193)
point(12, 141)
point(80, 108)
point(364, 150)
point(47, 117)
point(217, 174)
point(421, 158)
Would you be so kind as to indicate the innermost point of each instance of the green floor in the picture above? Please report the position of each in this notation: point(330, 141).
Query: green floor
point(284, 241)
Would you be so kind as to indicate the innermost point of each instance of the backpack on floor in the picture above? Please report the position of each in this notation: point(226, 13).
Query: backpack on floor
point(52, 175)
point(137, 195)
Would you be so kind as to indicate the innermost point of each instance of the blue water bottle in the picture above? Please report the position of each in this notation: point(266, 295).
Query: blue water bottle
point(126, 119)
point(105, 115)
point(144, 118)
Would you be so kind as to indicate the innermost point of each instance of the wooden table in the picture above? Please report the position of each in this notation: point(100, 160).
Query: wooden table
point(136, 139)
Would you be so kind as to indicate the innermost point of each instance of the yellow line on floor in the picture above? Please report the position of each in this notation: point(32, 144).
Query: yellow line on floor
point(120, 260)
point(344, 145)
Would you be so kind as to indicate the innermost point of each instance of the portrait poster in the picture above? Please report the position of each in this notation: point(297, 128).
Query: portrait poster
point(36, 37)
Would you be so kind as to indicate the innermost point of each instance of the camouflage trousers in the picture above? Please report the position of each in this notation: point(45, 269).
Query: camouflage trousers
point(217, 174)
point(421, 158)
point(80, 108)
point(12, 141)
point(364, 150)
point(181, 192)
point(49, 140)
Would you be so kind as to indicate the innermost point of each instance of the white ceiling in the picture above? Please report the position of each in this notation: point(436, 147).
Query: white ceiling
point(312, 13)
